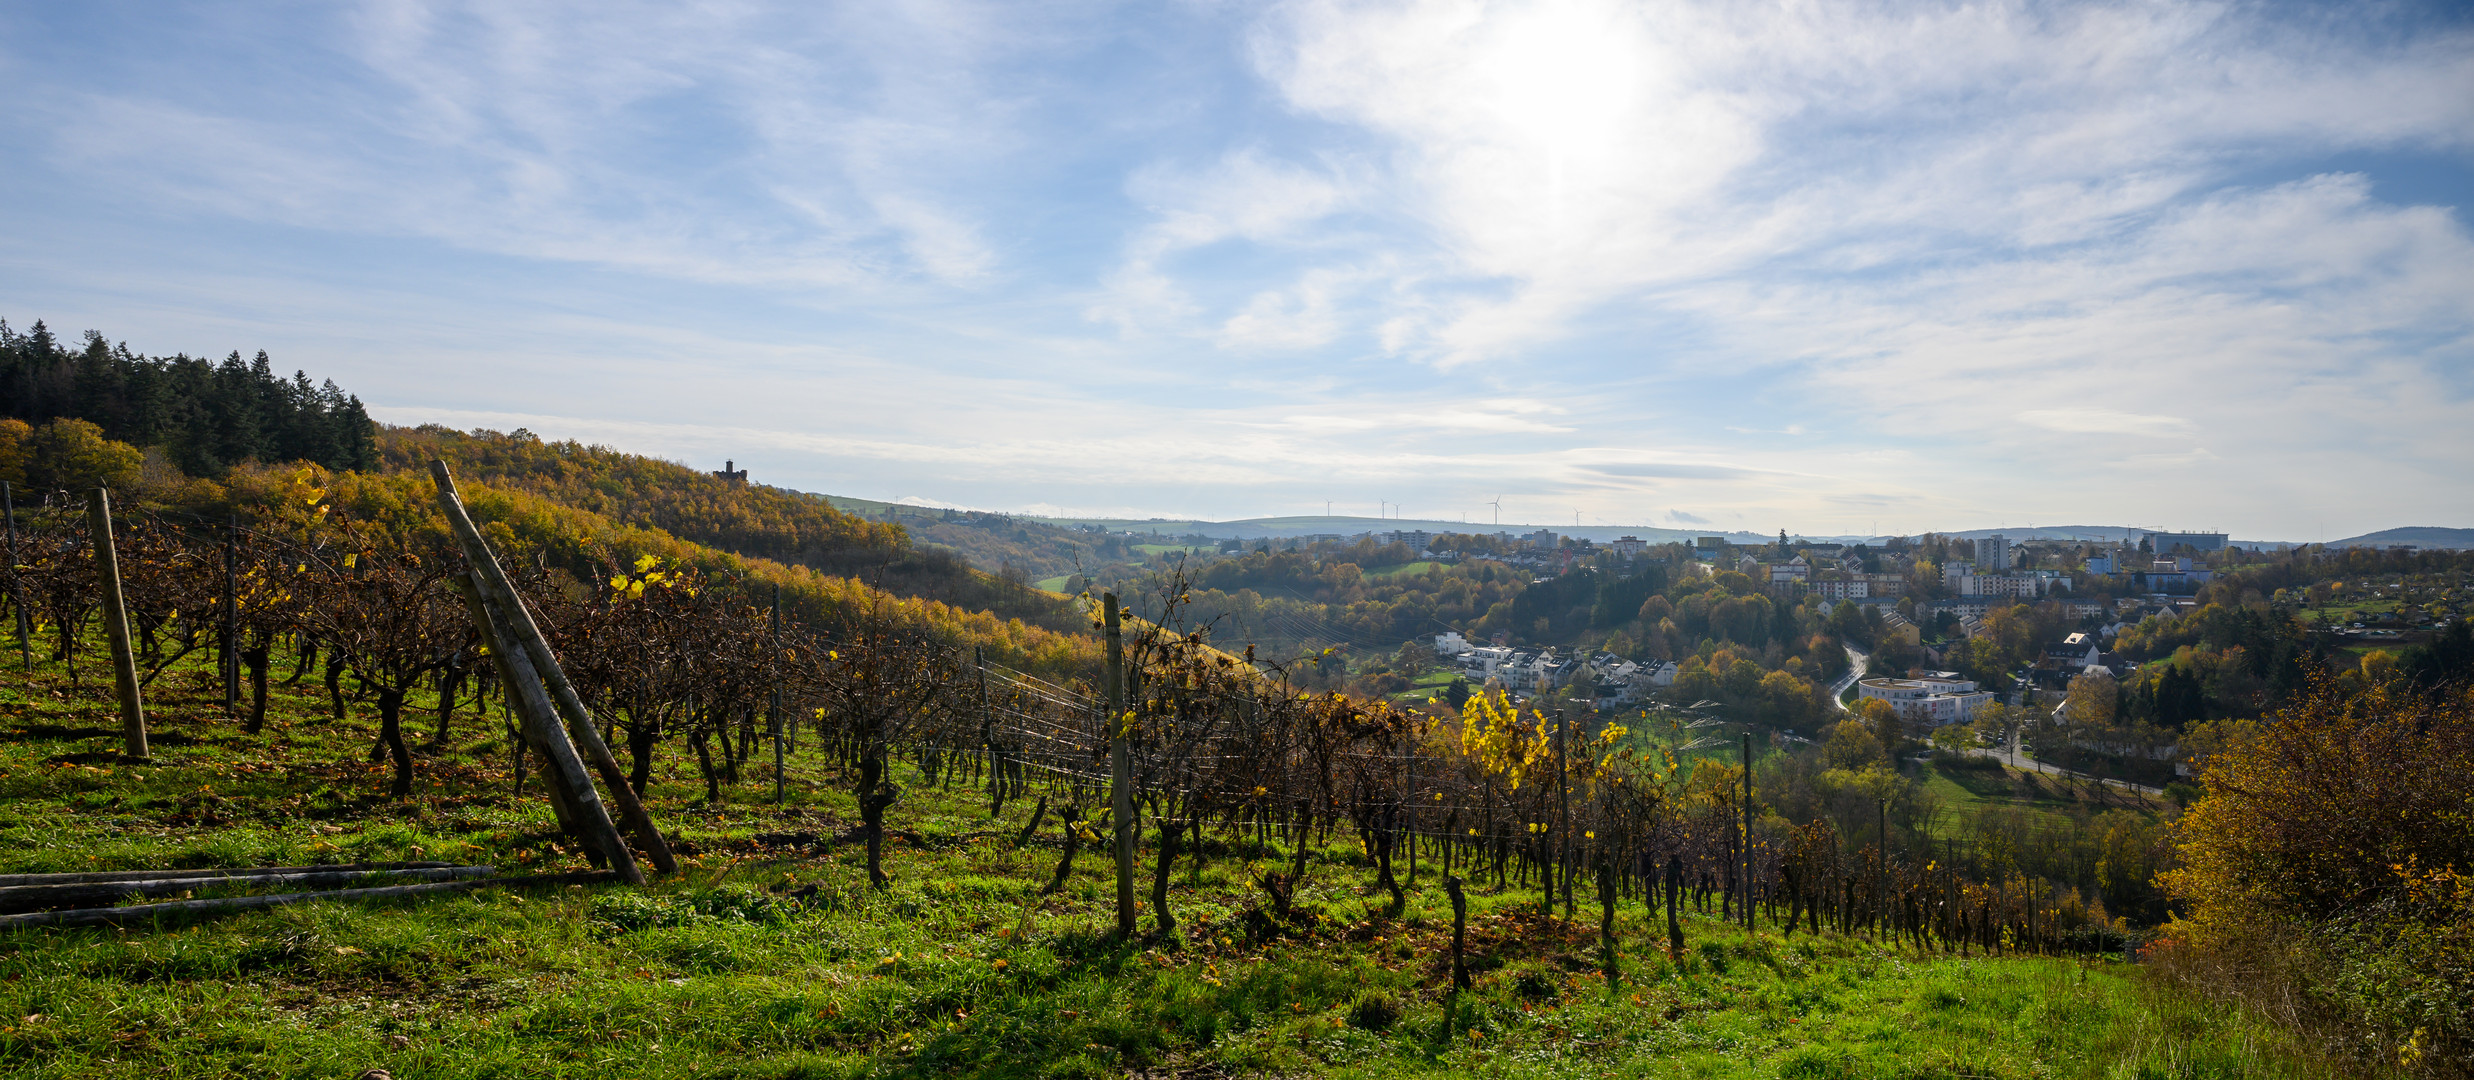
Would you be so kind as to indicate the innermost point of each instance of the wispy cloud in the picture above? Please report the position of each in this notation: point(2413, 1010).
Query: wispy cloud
point(1802, 266)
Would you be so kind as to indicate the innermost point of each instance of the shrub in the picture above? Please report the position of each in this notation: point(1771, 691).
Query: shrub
point(2329, 872)
point(1374, 1010)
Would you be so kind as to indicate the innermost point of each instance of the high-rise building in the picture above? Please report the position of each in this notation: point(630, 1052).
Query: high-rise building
point(1993, 554)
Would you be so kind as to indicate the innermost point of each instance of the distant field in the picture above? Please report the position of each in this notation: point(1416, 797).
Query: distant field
point(1054, 584)
point(1419, 567)
point(1171, 549)
point(1966, 792)
point(2343, 613)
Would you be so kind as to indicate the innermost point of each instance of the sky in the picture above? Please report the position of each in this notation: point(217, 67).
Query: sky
point(1817, 266)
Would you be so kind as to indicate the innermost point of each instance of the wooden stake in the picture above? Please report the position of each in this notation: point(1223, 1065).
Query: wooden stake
point(500, 596)
point(773, 711)
point(571, 791)
point(1120, 767)
point(231, 617)
point(17, 596)
point(1747, 830)
point(116, 623)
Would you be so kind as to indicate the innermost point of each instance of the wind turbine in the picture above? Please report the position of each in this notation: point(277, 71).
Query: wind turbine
point(1498, 505)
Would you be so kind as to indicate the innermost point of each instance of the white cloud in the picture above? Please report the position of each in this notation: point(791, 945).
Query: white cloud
point(2106, 260)
point(2105, 422)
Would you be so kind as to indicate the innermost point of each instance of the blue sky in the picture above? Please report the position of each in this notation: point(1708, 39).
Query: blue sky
point(1822, 267)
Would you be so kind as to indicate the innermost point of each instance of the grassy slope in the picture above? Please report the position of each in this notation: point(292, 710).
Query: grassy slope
point(1969, 792)
point(751, 521)
point(714, 976)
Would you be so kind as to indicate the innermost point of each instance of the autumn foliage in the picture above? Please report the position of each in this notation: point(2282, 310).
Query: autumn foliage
point(2329, 872)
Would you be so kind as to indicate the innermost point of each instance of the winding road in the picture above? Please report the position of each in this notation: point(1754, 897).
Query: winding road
point(1857, 661)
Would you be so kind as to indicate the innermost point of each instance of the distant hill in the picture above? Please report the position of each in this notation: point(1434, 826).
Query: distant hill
point(748, 520)
point(2425, 536)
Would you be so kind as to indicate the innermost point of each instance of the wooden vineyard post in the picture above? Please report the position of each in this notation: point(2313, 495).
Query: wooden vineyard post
point(571, 791)
point(1120, 766)
point(541, 674)
point(1408, 797)
point(1675, 896)
point(116, 622)
point(1747, 875)
point(774, 710)
point(231, 616)
point(1460, 928)
point(17, 596)
point(1563, 820)
point(1881, 877)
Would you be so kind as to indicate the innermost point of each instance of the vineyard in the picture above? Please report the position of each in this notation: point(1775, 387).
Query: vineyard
point(1498, 886)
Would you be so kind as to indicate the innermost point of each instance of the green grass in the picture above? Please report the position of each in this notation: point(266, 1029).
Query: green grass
point(1968, 792)
point(1419, 567)
point(1174, 549)
point(958, 969)
point(1054, 584)
point(2347, 612)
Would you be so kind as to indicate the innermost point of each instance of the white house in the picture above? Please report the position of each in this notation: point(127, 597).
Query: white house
point(1451, 644)
point(1485, 661)
point(1938, 698)
point(1609, 667)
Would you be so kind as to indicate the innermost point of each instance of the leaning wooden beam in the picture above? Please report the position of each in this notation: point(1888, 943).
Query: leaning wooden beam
point(143, 913)
point(86, 876)
point(40, 897)
point(571, 791)
point(501, 594)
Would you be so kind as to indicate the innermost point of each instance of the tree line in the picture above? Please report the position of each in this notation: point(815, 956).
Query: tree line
point(207, 415)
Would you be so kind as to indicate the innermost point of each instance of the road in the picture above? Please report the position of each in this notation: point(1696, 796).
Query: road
point(1857, 661)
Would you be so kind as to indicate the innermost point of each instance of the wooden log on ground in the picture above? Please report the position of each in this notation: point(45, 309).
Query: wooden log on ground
point(146, 913)
point(97, 894)
point(83, 877)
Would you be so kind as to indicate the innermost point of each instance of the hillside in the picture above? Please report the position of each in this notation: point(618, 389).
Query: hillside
point(772, 957)
point(749, 520)
point(2425, 536)
point(1009, 546)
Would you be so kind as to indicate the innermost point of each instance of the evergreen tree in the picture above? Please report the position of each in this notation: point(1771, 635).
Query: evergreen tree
point(206, 416)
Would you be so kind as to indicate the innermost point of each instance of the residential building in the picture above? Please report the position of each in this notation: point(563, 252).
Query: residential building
point(1656, 673)
point(1629, 547)
point(1993, 553)
point(1484, 662)
point(1452, 644)
point(1841, 588)
point(1935, 698)
point(2165, 543)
